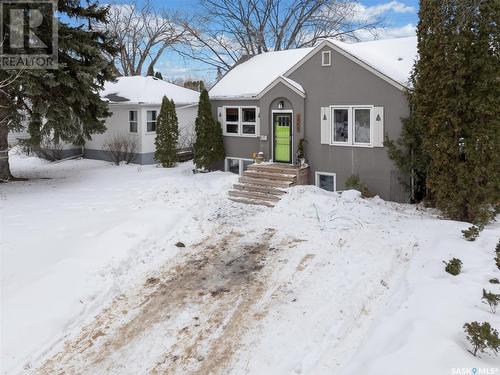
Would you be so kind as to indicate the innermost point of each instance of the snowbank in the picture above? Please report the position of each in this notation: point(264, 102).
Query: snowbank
point(338, 284)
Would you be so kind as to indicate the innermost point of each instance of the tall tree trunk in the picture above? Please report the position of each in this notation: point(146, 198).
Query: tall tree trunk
point(4, 140)
point(4, 153)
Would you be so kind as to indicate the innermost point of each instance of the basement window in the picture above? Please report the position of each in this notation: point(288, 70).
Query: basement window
point(326, 181)
point(237, 165)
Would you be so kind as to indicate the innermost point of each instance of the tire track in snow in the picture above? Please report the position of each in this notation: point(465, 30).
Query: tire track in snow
point(187, 319)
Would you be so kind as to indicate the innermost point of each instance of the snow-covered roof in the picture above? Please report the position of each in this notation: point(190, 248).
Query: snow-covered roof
point(248, 79)
point(392, 57)
point(147, 90)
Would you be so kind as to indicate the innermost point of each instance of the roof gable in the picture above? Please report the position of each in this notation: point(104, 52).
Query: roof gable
point(389, 59)
point(248, 79)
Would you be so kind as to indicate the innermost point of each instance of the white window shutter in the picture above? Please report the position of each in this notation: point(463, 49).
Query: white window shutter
point(378, 129)
point(325, 125)
point(258, 131)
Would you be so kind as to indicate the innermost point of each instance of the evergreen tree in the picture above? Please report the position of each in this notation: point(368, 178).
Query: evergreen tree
point(64, 103)
point(453, 131)
point(167, 134)
point(158, 75)
point(209, 144)
point(150, 72)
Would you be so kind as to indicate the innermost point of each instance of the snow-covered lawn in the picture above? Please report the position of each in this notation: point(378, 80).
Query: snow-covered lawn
point(323, 283)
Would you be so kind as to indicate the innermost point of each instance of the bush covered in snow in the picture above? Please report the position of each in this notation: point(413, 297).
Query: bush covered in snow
point(471, 233)
point(353, 182)
point(491, 299)
point(482, 336)
point(120, 147)
point(453, 266)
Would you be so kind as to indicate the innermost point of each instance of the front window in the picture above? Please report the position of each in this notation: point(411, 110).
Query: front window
point(249, 120)
point(151, 121)
point(351, 126)
point(341, 125)
point(241, 121)
point(232, 120)
point(362, 125)
point(132, 121)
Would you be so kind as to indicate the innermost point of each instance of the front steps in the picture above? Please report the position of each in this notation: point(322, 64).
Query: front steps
point(264, 184)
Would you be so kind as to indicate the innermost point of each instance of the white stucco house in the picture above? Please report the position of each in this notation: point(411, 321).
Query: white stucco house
point(135, 104)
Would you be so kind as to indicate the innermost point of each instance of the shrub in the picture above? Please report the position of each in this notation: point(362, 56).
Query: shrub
point(494, 281)
point(49, 150)
point(497, 249)
point(482, 336)
point(497, 260)
point(453, 266)
point(471, 233)
point(353, 182)
point(120, 147)
point(491, 299)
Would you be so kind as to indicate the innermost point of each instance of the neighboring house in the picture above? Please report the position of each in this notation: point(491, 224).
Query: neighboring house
point(341, 98)
point(135, 104)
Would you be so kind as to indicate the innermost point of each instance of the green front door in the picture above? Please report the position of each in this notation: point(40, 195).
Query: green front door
point(282, 137)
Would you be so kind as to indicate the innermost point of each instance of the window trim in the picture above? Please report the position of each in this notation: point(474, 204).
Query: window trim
point(350, 116)
point(155, 121)
point(240, 163)
point(319, 173)
point(136, 121)
point(326, 53)
point(240, 122)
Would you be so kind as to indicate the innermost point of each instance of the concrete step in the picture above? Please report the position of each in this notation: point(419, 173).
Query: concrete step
point(265, 182)
point(274, 168)
point(252, 201)
point(259, 189)
point(253, 195)
point(270, 175)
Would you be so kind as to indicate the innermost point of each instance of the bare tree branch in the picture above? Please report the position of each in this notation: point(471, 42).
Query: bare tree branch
point(143, 33)
point(225, 30)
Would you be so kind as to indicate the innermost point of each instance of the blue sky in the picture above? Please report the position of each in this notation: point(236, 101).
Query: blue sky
point(400, 19)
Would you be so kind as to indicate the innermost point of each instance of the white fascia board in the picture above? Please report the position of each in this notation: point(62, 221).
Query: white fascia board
point(283, 81)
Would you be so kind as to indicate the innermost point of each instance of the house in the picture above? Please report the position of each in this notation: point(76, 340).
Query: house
point(135, 103)
point(341, 98)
